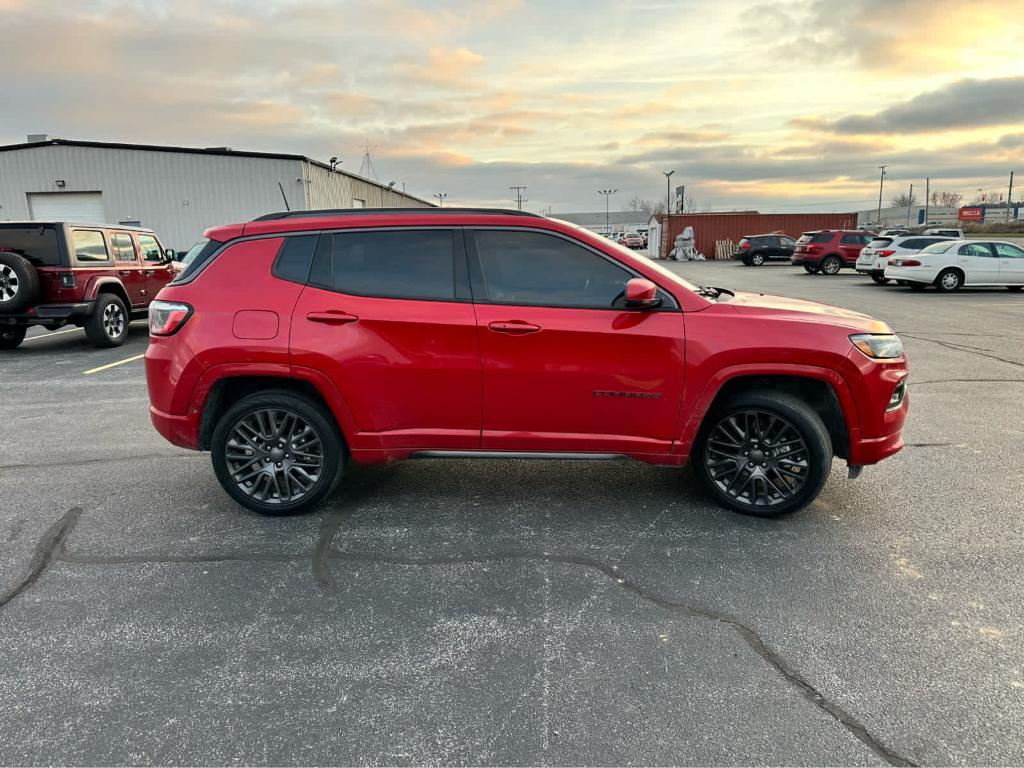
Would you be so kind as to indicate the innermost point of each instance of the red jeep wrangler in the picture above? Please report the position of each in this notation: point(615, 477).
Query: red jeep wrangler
point(96, 276)
point(299, 340)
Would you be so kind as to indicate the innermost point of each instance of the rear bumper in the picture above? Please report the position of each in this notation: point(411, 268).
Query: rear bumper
point(180, 430)
point(46, 314)
point(804, 260)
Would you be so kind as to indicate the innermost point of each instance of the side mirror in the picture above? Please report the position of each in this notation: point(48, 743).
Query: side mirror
point(641, 294)
point(170, 255)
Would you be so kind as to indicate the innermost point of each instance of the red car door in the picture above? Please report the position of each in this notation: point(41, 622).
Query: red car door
point(388, 316)
point(129, 268)
point(158, 271)
point(565, 367)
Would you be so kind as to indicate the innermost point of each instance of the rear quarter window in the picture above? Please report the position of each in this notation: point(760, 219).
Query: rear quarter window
point(822, 237)
point(295, 258)
point(40, 244)
point(196, 258)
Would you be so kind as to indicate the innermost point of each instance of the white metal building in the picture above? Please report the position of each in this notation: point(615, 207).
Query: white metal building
point(176, 191)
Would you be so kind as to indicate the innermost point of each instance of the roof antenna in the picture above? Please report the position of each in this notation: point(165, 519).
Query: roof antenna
point(283, 197)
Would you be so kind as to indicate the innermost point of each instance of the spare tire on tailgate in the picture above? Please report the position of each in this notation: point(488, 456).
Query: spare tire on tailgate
point(19, 283)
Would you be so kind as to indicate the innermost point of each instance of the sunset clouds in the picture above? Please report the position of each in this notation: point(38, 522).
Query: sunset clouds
point(769, 104)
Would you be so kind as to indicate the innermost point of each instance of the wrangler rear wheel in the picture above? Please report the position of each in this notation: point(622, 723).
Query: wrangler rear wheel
point(12, 335)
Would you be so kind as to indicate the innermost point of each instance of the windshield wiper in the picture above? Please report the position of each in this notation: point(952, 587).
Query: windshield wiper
point(711, 292)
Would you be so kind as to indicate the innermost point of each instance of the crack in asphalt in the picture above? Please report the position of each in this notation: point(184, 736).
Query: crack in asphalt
point(47, 550)
point(980, 352)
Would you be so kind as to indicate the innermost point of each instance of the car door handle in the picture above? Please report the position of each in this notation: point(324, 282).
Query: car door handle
point(331, 318)
point(124, 272)
point(513, 327)
point(147, 272)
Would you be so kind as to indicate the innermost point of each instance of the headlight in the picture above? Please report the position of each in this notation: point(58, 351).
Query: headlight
point(878, 346)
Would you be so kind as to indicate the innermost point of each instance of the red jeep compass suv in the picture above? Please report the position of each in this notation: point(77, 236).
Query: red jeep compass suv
point(300, 340)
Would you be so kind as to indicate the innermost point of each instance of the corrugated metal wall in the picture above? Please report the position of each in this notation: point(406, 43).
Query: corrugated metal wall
point(180, 194)
point(177, 194)
point(709, 227)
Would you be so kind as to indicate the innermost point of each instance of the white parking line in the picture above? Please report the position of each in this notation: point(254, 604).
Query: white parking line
point(112, 365)
point(48, 335)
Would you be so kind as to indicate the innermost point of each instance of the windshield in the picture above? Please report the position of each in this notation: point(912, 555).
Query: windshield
point(938, 247)
point(805, 237)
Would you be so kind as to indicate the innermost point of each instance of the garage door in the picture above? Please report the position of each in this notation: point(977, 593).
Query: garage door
point(86, 207)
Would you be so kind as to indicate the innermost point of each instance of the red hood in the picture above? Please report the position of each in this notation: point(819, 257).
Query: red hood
point(775, 306)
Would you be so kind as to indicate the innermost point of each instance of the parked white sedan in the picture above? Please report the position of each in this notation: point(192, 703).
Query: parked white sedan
point(874, 257)
point(953, 264)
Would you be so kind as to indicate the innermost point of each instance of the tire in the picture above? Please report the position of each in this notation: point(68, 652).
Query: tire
point(19, 283)
point(949, 280)
point(1015, 288)
point(759, 414)
point(916, 286)
point(880, 279)
point(12, 335)
point(250, 425)
point(107, 326)
point(809, 269)
point(831, 265)
point(757, 259)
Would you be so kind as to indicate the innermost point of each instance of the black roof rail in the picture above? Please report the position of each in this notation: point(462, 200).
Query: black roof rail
point(410, 211)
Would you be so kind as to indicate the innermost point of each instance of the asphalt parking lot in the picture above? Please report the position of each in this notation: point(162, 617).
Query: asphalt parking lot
point(518, 612)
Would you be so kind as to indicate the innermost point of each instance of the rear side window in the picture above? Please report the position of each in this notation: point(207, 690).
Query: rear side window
point(822, 237)
point(400, 264)
point(38, 244)
point(852, 240)
point(89, 245)
point(295, 258)
point(124, 249)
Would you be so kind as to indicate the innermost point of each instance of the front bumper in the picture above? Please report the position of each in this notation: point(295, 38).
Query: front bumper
point(50, 314)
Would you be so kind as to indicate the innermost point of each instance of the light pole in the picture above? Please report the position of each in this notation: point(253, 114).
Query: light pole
point(668, 191)
point(607, 196)
point(881, 181)
point(441, 196)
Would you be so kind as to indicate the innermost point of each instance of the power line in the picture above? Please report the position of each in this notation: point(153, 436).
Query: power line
point(519, 196)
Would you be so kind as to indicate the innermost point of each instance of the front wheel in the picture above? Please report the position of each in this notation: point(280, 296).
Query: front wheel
point(831, 265)
point(277, 453)
point(12, 335)
point(107, 326)
point(880, 279)
point(764, 453)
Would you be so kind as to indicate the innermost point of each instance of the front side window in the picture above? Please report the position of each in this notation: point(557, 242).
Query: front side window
point(151, 250)
point(124, 249)
point(400, 264)
point(1008, 251)
point(537, 269)
point(976, 249)
point(89, 245)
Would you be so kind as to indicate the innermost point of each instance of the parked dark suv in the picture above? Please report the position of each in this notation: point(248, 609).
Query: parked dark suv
point(755, 250)
point(96, 276)
point(829, 250)
point(298, 341)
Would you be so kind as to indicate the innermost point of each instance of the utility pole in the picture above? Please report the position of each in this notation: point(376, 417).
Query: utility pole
point(881, 182)
point(668, 191)
point(441, 197)
point(910, 202)
point(927, 202)
point(518, 196)
point(607, 197)
point(1009, 198)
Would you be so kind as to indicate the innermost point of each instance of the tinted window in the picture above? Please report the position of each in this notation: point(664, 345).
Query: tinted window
point(89, 245)
point(851, 240)
point(975, 249)
point(393, 265)
point(151, 250)
point(124, 249)
point(295, 258)
point(196, 257)
point(822, 237)
point(769, 242)
point(37, 244)
point(531, 268)
point(1008, 251)
point(880, 242)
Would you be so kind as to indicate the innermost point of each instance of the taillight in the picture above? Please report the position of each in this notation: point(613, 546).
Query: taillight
point(910, 263)
point(167, 317)
point(744, 246)
point(67, 280)
point(813, 248)
point(884, 253)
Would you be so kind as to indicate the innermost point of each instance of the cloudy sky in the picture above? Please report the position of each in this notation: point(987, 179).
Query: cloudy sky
point(776, 105)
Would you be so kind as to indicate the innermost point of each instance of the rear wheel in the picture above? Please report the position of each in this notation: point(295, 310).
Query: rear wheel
point(880, 279)
point(12, 335)
point(810, 270)
point(19, 282)
point(949, 280)
point(277, 453)
point(831, 265)
point(107, 326)
point(764, 453)
point(757, 259)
